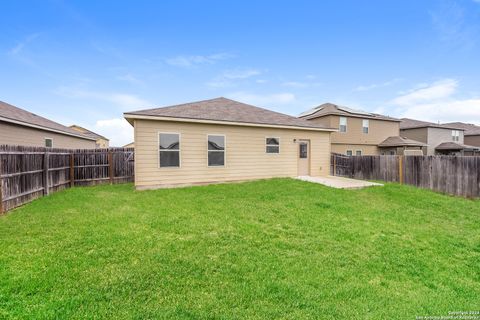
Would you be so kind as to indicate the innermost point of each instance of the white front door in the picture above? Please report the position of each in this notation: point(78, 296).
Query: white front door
point(303, 158)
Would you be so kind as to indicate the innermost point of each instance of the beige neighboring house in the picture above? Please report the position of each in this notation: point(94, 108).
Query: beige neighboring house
point(100, 141)
point(221, 140)
point(129, 145)
point(471, 132)
point(360, 132)
point(20, 127)
point(441, 139)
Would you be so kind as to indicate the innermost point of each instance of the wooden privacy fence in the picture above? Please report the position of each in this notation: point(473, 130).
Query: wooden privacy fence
point(448, 174)
point(27, 173)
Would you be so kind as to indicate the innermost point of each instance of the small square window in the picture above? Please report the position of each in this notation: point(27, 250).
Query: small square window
point(349, 152)
point(48, 143)
point(272, 145)
point(358, 153)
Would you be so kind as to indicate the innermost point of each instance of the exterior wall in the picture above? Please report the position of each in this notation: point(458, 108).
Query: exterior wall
point(354, 138)
point(245, 153)
point(25, 136)
point(399, 150)
point(366, 149)
point(472, 140)
point(431, 136)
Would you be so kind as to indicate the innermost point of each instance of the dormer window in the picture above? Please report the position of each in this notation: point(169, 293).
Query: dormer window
point(342, 124)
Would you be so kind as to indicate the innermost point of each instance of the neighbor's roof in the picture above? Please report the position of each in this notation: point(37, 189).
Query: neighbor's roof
point(12, 114)
point(225, 110)
point(327, 109)
point(397, 141)
point(454, 146)
point(87, 132)
point(470, 129)
point(414, 124)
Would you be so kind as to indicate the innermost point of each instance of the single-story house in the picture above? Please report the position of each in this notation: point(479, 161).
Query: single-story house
point(20, 127)
point(100, 141)
point(222, 140)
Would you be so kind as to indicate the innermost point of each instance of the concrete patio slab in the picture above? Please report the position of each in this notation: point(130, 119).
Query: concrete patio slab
point(339, 182)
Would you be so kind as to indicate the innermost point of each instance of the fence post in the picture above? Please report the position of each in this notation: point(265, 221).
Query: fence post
point(400, 169)
point(72, 170)
point(46, 187)
point(110, 167)
point(1, 188)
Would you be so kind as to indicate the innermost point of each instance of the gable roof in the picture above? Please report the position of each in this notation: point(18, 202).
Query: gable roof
point(327, 109)
point(87, 132)
point(12, 114)
point(223, 110)
point(414, 124)
point(470, 129)
point(397, 141)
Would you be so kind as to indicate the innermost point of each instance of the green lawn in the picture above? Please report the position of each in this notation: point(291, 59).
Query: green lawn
point(272, 249)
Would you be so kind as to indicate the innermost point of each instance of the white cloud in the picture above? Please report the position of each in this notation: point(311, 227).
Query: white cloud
point(299, 84)
point(129, 78)
point(22, 44)
point(438, 102)
point(263, 99)
point(126, 101)
point(376, 85)
point(118, 130)
point(228, 77)
point(438, 90)
point(195, 60)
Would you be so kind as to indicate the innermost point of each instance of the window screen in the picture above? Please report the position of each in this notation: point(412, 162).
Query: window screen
point(272, 145)
point(216, 151)
point(169, 150)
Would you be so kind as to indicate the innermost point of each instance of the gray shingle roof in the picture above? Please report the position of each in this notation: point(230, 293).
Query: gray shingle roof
point(333, 109)
point(223, 109)
point(412, 124)
point(397, 141)
point(87, 132)
point(11, 113)
point(454, 146)
point(470, 129)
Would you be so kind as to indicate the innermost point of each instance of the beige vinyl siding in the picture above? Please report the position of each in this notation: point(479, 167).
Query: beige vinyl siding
point(20, 135)
point(246, 158)
point(366, 149)
point(472, 140)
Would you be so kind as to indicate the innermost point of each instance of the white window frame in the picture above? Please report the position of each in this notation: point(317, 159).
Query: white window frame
point(45, 141)
point(224, 150)
point(340, 124)
point(351, 153)
point(456, 135)
point(272, 145)
point(365, 127)
point(179, 150)
point(357, 151)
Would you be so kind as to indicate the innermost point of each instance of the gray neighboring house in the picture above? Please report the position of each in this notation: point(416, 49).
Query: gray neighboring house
point(440, 139)
point(20, 127)
point(471, 133)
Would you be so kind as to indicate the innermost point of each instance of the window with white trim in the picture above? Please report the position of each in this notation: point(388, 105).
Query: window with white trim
point(456, 135)
point(349, 152)
point(342, 124)
point(48, 142)
point(272, 145)
point(216, 150)
point(169, 150)
point(358, 153)
point(365, 125)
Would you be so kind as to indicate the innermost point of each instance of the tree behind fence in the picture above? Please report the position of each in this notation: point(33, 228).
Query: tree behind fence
point(27, 173)
point(449, 174)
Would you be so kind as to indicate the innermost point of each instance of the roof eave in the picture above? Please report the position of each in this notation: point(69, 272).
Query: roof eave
point(26, 124)
point(313, 116)
point(130, 117)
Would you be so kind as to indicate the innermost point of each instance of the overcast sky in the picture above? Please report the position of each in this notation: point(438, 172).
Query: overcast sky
point(87, 62)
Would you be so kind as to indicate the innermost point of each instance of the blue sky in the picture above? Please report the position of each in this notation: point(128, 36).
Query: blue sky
point(87, 62)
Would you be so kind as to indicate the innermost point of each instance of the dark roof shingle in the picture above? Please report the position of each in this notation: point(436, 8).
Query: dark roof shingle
point(397, 141)
point(87, 132)
point(470, 129)
point(11, 113)
point(223, 109)
point(333, 109)
point(408, 123)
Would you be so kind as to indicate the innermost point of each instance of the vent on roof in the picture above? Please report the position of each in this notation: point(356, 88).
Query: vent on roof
point(311, 111)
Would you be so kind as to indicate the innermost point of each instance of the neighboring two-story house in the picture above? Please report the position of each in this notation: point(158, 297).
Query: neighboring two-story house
point(361, 133)
point(471, 133)
point(440, 138)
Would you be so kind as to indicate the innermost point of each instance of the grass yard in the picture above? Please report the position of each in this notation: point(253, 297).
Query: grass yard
point(272, 249)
